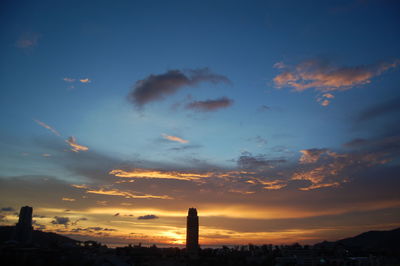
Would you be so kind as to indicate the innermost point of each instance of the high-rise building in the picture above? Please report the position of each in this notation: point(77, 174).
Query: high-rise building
point(23, 229)
point(192, 231)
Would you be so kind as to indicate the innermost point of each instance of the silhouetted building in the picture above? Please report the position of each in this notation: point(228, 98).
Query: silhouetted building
point(192, 231)
point(23, 229)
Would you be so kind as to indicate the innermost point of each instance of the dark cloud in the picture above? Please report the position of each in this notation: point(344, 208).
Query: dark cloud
point(388, 147)
point(38, 226)
point(210, 105)
point(148, 217)
point(356, 143)
point(39, 216)
point(117, 214)
point(157, 87)
point(7, 209)
point(259, 162)
point(61, 220)
point(96, 228)
point(110, 229)
point(79, 219)
point(185, 148)
point(388, 107)
point(263, 108)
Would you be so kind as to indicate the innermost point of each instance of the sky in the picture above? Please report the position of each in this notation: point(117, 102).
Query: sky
point(277, 120)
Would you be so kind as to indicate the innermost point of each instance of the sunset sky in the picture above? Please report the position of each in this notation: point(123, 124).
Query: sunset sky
point(277, 120)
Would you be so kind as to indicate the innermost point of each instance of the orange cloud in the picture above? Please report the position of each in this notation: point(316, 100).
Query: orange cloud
point(311, 155)
point(269, 185)
point(324, 77)
point(75, 146)
point(47, 127)
point(325, 99)
point(125, 194)
point(174, 138)
point(86, 80)
point(154, 174)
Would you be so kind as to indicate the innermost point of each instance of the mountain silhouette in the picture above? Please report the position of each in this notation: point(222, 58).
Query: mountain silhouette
point(43, 239)
point(371, 240)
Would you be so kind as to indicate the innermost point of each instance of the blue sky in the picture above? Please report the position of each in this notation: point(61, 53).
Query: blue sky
point(269, 87)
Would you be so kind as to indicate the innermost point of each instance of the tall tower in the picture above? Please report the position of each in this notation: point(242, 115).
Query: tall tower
point(24, 227)
point(192, 231)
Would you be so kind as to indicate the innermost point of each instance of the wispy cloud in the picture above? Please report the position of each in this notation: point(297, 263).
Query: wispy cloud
point(47, 127)
point(75, 146)
point(325, 77)
point(174, 138)
point(126, 194)
point(157, 87)
point(27, 40)
point(155, 174)
point(263, 108)
point(388, 107)
point(210, 105)
point(69, 79)
point(72, 80)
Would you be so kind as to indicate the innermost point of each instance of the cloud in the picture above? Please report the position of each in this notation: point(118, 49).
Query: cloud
point(311, 155)
point(61, 220)
point(86, 80)
point(185, 148)
point(27, 40)
point(75, 146)
point(156, 174)
point(325, 99)
point(279, 65)
point(388, 107)
point(70, 80)
point(7, 209)
point(263, 108)
point(325, 77)
point(258, 162)
point(269, 185)
point(174, 138)
point(157, 87)
point(148, 217)
point(78, 220)
point(47, 127)
point(210, 105)
point(259, 140)
point(335, 169)
point(125, 194)
point(68, 199)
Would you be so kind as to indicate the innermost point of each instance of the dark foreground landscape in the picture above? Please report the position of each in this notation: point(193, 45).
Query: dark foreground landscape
point(370, 248)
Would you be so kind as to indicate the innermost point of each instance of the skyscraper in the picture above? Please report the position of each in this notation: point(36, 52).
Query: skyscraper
point(192, 231)
point(23, 229)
